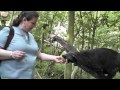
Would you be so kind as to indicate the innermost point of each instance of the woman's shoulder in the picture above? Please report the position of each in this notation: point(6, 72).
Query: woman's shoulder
point(6, 28)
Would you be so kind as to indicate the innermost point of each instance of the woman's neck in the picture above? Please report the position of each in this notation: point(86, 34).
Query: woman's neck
point(22, 28)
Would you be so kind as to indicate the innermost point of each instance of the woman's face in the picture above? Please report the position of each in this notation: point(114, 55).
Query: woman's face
point(29, 25)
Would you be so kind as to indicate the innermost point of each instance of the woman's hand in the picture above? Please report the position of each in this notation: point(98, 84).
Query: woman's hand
point(58, 59)
point(17, 54)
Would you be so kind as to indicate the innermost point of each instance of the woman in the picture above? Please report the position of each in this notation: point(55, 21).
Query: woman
point(18, 61)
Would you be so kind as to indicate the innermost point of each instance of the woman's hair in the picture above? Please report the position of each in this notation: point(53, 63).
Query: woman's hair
point(27, 14)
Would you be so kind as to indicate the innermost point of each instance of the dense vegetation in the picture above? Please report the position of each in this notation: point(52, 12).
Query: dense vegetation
point(92, 29)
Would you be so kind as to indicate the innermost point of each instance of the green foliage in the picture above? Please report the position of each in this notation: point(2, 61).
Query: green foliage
point(117, 76)
point(107, 34)
point(81, 74)
point(50, 70)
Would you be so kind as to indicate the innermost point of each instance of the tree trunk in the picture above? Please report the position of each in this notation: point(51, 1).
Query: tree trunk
point(68, 66)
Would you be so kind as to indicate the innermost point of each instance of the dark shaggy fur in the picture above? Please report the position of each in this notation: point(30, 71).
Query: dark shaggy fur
point(102, 61)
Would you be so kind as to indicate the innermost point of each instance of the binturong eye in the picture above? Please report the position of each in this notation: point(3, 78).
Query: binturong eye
point(74, 57)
